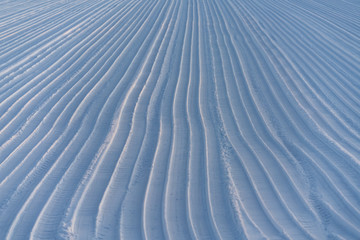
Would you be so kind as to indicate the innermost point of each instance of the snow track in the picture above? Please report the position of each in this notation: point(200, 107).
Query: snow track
point(180, 119)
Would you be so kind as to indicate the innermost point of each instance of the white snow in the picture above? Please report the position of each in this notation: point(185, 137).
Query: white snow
point(180, 119)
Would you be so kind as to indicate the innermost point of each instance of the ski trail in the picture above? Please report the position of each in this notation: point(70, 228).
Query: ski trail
point(179, 119)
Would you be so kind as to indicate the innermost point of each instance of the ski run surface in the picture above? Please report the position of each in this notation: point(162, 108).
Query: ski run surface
point(180, 119)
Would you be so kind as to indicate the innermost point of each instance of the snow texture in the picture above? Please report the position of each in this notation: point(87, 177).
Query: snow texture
point(180, 119)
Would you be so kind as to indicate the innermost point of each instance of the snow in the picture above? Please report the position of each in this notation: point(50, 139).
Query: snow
point(180, 119)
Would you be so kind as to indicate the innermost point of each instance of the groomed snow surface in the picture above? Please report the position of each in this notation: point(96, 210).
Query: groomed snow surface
point(180, 119)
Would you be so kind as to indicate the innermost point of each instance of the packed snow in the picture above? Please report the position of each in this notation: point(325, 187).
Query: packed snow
point(180, 119)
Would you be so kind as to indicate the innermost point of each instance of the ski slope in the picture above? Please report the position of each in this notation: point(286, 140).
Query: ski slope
point(180, 119)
